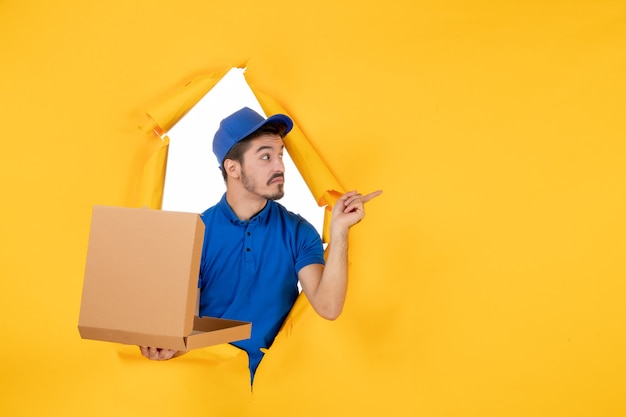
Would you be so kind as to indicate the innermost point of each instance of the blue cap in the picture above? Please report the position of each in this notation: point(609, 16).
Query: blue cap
point(239, 125)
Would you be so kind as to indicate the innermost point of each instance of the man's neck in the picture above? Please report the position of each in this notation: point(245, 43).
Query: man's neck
point(244, 205)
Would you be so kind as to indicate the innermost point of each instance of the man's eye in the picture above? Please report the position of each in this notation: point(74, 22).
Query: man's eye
point(280, 155)
point(265, 156)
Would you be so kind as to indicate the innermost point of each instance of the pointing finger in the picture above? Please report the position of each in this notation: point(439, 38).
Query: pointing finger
point(370, 196)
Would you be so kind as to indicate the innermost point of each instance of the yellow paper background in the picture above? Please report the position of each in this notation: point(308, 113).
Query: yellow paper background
point(487, 280)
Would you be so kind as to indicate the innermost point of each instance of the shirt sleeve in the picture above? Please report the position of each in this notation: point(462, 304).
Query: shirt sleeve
point(310, 248)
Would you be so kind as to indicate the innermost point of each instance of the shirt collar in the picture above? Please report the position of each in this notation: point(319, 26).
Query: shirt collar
point(260, 217)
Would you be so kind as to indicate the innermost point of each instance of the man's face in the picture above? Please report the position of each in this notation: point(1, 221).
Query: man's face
point(262, 169)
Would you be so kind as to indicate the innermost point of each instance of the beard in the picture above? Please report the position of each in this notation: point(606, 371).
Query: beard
point(251, 186)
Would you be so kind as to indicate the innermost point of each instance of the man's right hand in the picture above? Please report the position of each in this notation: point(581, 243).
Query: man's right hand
point(157, 354)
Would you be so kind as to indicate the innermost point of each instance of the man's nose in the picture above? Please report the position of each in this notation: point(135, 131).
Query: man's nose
point(279, 165)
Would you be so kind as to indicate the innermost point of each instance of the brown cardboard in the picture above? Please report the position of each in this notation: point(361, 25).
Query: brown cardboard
point(141, 277)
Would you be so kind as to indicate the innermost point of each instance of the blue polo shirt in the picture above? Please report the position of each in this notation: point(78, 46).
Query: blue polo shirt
point(249, 269)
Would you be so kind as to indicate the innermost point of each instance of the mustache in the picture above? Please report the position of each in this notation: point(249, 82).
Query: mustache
point(277, 175)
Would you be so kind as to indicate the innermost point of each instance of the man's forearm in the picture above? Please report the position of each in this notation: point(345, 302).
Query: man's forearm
point(331, 292)
point(328, 292)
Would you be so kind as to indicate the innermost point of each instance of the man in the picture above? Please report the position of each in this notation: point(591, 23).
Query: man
point(255, 251)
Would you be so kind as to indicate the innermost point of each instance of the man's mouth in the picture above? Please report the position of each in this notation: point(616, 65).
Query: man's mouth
point(276, 179)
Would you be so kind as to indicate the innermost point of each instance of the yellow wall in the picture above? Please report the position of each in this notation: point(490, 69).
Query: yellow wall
point(488, 279)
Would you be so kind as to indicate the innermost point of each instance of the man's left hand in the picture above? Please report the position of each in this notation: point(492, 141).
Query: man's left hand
point(349, 209)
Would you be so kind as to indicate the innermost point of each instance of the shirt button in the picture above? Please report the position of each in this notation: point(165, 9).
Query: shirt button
point(247, 249)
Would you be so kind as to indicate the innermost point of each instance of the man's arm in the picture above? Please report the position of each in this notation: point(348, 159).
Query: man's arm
point(326, 286)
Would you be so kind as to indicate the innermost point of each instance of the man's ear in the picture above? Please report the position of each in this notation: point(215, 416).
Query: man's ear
point(232, 168)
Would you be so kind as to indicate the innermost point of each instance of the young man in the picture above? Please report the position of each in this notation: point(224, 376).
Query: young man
point(255, 251)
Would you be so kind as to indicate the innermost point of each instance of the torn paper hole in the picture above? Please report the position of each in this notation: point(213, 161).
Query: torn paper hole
point(193, 181)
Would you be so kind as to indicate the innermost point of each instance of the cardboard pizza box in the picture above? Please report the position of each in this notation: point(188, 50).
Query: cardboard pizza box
point(141, 282)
